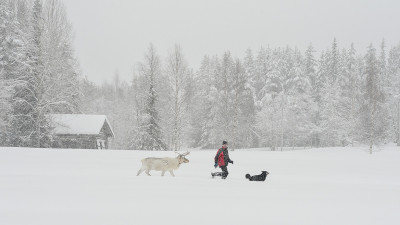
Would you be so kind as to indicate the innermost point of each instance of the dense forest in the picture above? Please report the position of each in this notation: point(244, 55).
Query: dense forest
point(268, 97)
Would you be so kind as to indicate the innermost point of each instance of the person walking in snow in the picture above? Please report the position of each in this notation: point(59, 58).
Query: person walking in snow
point(222, 159)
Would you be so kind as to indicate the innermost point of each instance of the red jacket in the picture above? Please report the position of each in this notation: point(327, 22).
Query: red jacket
point(222, 157)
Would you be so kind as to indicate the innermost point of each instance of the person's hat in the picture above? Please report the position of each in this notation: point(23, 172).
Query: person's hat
point(224, 142)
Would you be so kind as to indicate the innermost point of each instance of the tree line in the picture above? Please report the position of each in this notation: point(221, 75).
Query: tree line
point(270, 97)
point(275, 97)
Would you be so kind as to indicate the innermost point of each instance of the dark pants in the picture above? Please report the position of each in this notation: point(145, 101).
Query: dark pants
point(224, 172)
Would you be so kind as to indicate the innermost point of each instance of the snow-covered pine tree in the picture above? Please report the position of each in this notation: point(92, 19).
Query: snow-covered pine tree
point(28, 124)
point(300, 105)
point(386, 83)
point(382, 65)
point(199, 114)
point(137, 130)
point(191, 91)
point(356, 71)
point(310, 64)
point(37, 82)
point(393, 71)
point(263, 66)
point(12, 66)
point(330, 98)
point(250, 107)
point(243, 108)
point(334, 61)
point(267, 121)
point(350, 92)
point(372, 110)
point(342, 103)
point(205, 116)
point(270, 96)
point(317, 96)
point(383, 82)
point(150, 68)
point(249, 65)
point(225, 87)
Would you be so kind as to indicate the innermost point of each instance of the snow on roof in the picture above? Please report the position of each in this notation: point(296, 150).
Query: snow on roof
point(79, 124)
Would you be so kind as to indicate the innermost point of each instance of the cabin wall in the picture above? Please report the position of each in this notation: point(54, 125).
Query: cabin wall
point(81, 141)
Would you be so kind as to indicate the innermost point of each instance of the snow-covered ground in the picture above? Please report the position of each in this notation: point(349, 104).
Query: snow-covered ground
point(337, 186)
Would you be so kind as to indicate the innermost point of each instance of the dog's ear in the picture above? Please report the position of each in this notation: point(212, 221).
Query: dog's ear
point(248, 176)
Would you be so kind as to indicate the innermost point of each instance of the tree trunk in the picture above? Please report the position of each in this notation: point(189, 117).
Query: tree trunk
point(312, 136)
point(282, 126)
point(38, 130)
point(371, 137)
point(176, 116)
point(398, 123)
point(236, 123)
point(292, 137)
point(371, 131)
point(371, 134)
point(273, 141)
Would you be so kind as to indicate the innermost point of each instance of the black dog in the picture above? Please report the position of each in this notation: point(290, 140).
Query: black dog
point(260, 177)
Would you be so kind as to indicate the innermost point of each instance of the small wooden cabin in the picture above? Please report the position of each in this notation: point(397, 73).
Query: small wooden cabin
point(81, 131)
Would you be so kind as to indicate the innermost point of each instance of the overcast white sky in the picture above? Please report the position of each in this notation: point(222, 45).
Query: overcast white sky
point(112, 35)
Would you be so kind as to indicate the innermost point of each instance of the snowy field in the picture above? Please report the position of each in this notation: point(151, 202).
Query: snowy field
point(337, 186)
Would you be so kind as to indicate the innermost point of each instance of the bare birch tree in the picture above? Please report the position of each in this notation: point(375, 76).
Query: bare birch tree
point(178, 76)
